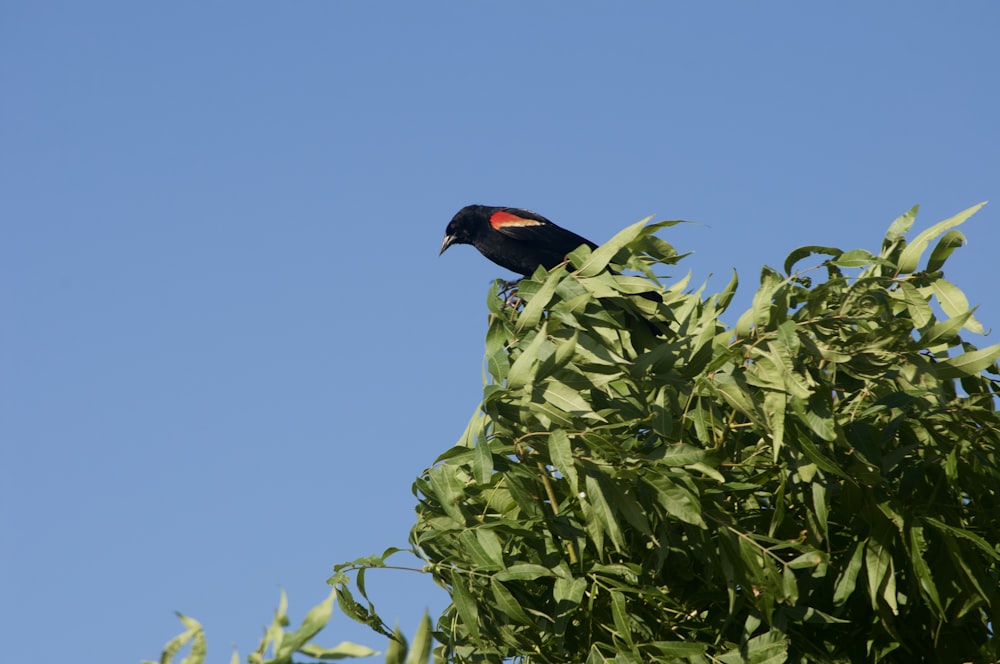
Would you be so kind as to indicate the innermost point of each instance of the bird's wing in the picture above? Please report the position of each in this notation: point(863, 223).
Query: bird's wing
point(531, 227)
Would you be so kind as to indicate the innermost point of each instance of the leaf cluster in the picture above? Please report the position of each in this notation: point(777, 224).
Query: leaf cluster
point(279, 645)
point(819, 483)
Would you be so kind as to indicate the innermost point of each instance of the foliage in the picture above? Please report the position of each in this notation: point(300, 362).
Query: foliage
point(280, 646)
point(820, 483)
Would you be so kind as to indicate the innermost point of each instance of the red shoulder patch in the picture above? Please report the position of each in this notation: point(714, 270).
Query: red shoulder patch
point(501, 219)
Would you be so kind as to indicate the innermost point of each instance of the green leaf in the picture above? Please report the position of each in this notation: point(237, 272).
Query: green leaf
point(507, 603)
point(808, 614)
point(848, 578)
point(662, 415)
point(194, 633)
point(395, 653)
point(744, 324)
point(565, 350)
point(468, 609)
point(678, 454)
point(626, 504)
point(565, 398)
point(880, 574)
point(910, 258)
point(483, 548)
point(343, 650)
point(775, 405)
point(482, 467)
point(902, 224)
point(726, 296)
point(601, 256)
point(350, 606)
point(916, 305)
point(820, 508)
point(789, 586)
point(604, 520)
point(448, 489)
point(561, 453)
point(967, 364)
point(523, 572)
point(468, 438)
point(980, 543)
point(533, 310)
point(525, 366)
point(678, 649)
point(804, 252)
point(807, 560)
point(954, 303)
point(708, 471)
point(922, 571)
point(420, 650)
point(679, 502)
point(315, 620)
point(948, 243)
point(768, 648)
point(358, 613)
point(770, 282)
point(619, 613)
point(946, 332)
point(856, 258)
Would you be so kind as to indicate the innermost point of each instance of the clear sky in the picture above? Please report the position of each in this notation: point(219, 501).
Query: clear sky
point(228, 344)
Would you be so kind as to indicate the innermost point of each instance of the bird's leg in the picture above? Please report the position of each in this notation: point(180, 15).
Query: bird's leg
point(507, 286)
point(508, 293)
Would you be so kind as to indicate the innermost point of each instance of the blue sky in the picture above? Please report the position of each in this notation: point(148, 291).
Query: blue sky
point(229, 344)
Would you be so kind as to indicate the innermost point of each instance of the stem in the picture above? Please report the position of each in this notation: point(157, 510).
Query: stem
point(550, 492)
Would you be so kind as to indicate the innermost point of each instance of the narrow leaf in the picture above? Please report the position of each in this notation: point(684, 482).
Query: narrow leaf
point(902, 224)
point(948, 243)
point(954, 303)
point(679, 502)
point(561, 454)
point(918, 545)
point(525, 366)
point(601, 256)
point(945, 332)
point(605, 516)
point(507, 603)
point(532, 312)
point(967, 364)
point(726, 296)
point(466, 606)
point(982, 544)
point(343, 650)
point(315, 620)
point(775, 404)
point(523, 572)
point(420, 649)
point(910, 257)
point(848, 578)
point(856, 258)
point(565, 398)
point(619, 613)
point(804, 252)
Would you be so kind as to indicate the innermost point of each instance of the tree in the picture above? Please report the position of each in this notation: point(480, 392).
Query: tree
point(820, 483)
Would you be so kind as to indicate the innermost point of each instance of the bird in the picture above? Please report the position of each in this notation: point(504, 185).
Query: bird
point(513, 238)
point(521, 240)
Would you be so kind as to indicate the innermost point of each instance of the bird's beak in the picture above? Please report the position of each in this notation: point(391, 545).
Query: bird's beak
point(448, 241)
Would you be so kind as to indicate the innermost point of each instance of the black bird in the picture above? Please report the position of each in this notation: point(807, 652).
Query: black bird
point(519, 240)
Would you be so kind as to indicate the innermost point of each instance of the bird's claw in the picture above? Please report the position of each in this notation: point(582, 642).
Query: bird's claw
point(508, 293)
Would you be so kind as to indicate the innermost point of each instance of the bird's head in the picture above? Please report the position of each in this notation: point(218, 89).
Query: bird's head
point(465, 226)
